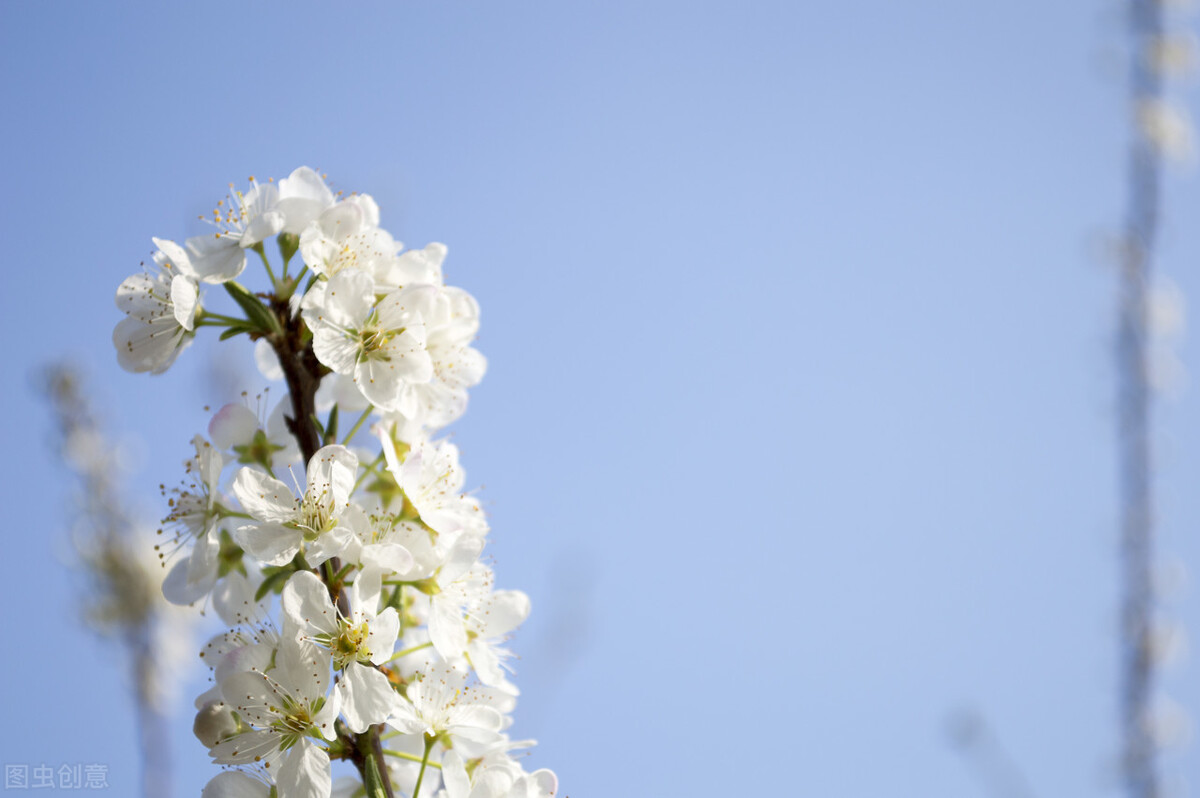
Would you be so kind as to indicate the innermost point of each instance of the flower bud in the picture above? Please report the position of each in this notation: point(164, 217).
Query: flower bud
point(214, 722)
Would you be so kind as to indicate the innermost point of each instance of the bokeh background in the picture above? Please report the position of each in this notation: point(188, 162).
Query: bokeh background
point(799, 422)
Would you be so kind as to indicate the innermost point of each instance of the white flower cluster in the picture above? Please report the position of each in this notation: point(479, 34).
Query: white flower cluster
point(386, 647)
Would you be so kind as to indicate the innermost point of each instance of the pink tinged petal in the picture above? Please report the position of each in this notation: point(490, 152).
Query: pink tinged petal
point(333, 468)
point(216, 259)
point(305, 772)
point(506, 610)
point(269, 543)
point(367, 697)
point(446, 627)
point(234, 784)
point(233, 425)
point(264, 497)
point(382, 634)
point(306, 603)
point(334, 543)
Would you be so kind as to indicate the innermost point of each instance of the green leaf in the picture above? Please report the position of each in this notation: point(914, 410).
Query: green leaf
point(273, 581)
point(258, 315)
point(372, 780)
point(232, 331)
point(332, 427)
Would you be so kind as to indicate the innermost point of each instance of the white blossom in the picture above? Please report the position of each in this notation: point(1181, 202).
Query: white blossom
point(161, 307)
point(284, 708)
point(347, 236)
point(382, 344)
point(193, 520)
point(440, 702)
point(286, 523)
point(241, 220)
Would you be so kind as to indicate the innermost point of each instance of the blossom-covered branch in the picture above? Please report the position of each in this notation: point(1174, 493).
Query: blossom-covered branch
point(387, 645)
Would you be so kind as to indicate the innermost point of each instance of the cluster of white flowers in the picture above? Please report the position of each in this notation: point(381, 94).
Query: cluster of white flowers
point(386, 647)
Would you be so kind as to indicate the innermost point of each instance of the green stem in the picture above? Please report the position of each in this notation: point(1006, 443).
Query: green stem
point(262, 253)
point(398, 601)
point(221, 317)
point(408, 651)
point(367, 469)
point(358, 424)
point(225, 512)
point(429, 741)
point(407, 757)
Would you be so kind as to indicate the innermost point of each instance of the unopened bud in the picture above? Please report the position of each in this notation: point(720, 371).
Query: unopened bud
point(288, 244)
point(214, 722)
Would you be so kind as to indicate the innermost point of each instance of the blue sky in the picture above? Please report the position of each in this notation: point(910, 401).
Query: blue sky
point(798, 426)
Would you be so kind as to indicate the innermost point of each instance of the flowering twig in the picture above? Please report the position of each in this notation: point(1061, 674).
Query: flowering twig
point(375, 331)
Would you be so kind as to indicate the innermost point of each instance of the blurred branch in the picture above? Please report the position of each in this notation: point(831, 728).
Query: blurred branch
point(1138, 756)
point(991, 764)
point(122, 600)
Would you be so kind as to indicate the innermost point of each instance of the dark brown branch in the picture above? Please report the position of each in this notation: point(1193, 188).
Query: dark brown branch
point(302, 372)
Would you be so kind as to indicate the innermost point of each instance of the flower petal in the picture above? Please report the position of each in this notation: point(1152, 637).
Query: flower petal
point(305, 772)
point(367, 697)
point(264, 497)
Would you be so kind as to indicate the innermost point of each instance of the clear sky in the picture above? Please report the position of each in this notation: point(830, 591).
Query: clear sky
point(798, 421)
